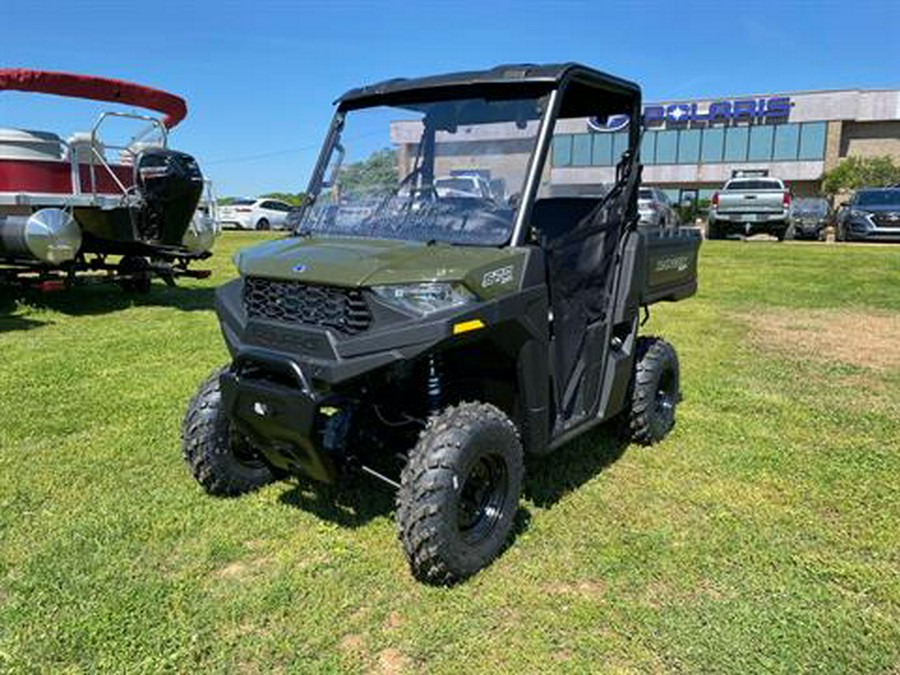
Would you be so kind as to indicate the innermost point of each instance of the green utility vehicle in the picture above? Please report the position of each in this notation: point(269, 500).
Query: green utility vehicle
point(432, 337)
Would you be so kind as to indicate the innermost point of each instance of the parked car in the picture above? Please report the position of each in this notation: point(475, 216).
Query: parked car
point(474, 187)
point(655, 208)
point(750, 206)
point(873, 214)
point(255, 214)
point(809, 217)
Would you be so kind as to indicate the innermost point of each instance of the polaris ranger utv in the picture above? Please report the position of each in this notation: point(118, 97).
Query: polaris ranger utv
point(432, 338)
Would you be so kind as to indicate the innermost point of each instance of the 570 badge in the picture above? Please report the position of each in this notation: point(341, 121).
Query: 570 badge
point(499, 276)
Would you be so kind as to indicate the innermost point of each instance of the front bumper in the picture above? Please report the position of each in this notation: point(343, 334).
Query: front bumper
point(863, 229)
point(807, 229)
point(279, 420)
point(286, 380)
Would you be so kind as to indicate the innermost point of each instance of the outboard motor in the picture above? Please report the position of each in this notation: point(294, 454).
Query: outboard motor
point(48, 235)
point(170, 184)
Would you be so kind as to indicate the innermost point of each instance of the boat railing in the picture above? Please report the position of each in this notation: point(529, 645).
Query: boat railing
point(97, 158)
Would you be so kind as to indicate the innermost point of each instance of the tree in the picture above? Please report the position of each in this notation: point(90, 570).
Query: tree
point(856, 172)
point(379, 170)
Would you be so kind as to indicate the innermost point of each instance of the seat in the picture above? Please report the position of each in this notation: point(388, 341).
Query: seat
point(30, 145)
point(80, 148)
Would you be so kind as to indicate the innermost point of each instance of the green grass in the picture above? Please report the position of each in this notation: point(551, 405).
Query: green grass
point(761, 536)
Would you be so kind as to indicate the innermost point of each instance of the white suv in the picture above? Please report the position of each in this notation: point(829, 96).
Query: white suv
point(255, 214)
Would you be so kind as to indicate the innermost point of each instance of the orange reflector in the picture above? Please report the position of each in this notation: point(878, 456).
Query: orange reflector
point(466, 326)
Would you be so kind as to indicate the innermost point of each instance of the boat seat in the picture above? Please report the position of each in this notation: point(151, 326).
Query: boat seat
point(30, 145)
point(80, 147)
point(127, 155)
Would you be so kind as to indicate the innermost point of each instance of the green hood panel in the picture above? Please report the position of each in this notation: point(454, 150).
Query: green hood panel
point(358, 261)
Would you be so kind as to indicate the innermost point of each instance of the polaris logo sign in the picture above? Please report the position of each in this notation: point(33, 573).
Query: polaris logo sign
point(678, 115)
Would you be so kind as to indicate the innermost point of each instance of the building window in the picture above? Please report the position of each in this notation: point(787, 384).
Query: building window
point(620, 145)
point(648, 147)
point(812, 140)
point(602, 155)
point(689, 146)
point(736, 144)
point(761, 138)
point(713, 141)
point(666, 147)
point(562, 150)
point(786, 139)
point(581, 150)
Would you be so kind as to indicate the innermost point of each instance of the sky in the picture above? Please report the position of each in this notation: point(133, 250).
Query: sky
point(260, 77)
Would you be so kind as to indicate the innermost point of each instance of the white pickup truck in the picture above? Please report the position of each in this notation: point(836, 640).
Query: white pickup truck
point(750, 206)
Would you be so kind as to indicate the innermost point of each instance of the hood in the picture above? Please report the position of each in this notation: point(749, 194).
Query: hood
point(358, 261)
point(878, 208)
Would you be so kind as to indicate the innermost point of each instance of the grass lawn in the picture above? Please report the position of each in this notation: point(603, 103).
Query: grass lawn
point(762, 536)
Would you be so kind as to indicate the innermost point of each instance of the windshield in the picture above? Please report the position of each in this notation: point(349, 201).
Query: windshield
point(754, 184)
point(645, 194)
point(878, 198)
point(445, 171)
point(242, 202)
point(817, 207)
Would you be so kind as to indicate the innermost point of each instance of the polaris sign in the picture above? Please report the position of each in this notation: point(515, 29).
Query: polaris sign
point(753, 111)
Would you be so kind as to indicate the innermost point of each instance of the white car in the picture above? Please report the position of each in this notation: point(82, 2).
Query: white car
point(255, 214)
point(470, 186)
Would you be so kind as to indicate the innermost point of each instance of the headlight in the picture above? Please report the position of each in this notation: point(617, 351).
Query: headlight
point(855, 213)
point(425, 298)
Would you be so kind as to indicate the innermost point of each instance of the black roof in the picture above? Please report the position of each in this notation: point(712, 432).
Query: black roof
point(526, 76)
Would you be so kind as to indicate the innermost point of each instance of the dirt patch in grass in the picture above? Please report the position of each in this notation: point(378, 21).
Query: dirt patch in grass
point(583, 589)
point(352, 643)
point(393, 662)
point(240, 569)
point(864, 339)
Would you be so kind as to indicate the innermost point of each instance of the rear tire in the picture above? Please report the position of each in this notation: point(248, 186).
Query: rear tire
point(220, 459)
point(137, 269)
point(459, 493)
point(654, 391)
point(262, 224)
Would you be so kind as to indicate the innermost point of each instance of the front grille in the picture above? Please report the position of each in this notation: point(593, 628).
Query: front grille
point(886, 219)
point(344, 310)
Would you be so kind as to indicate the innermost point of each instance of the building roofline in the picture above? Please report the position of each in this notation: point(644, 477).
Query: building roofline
point(805, 92)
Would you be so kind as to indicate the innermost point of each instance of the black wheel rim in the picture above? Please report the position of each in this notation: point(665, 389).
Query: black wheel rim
point(665, 397)
point(244, 453)
point(482, 500)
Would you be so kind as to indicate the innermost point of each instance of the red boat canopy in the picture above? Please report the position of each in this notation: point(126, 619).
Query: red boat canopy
point(97, 89)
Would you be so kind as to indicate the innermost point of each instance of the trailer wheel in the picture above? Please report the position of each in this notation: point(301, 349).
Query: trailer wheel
point(654, 391)
point(136, 270)
point(220, 458)
point(459, 493)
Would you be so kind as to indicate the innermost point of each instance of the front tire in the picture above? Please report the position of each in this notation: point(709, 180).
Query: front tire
point(220, 459)
point(655, 391)
point(459, 493)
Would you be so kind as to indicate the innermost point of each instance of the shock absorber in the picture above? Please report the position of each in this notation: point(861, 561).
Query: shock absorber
point(434, 389)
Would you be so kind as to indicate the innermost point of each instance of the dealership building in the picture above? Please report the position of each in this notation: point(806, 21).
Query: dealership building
point(691, 147)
